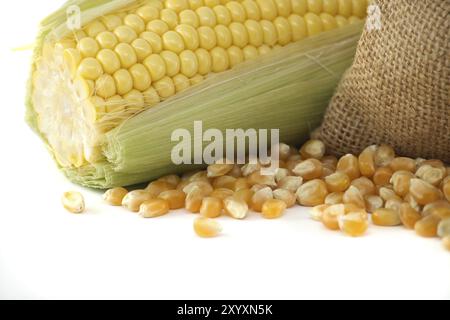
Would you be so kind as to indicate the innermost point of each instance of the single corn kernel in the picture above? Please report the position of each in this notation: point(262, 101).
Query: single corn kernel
point(115, 196)
point(440, 208)
point(273, 208)
point(173, 179)
point(382, 176)
point(207, 228)
point(155, 188)
point(446, 242)
point(244, 195)
point(393, 204)
point(224, 182)
point(316, 212)
point(309, 169)
point(280, 174)
point(430, 174)
point(235, 172)
point(194, 199)
point(423, 191)
point(373, 202)
point(349, 165)
point(365, 186)
point(241, 183)
point(400, 181)
point(312, 193)
point(334, 198)
point(154, 208)
point(73, 202)
point(290, 183)
point(386, 217)
point(222, 193)
point(337, 182)
point(313, 149)
point(330, 216)
point(284, 151)
point(133, 200)
point(354, 224)
point(403, 164)
point(387, 193)
point(199, 176)
point(219, 169)
point(427, 226)
point(355, 197)
point(250, 168)
point(286, 196)
point(257, 178)
point(175, 198)
point(384, 155)
point(260, 197)
point(432, 162)
point(235, 208)
point(444, 228)
point(412, 202)
point(409, 216)
point(211, 207)
point(366, 161)
point(204, 186)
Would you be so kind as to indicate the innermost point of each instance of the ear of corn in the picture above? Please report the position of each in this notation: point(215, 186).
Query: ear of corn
point(106, 98)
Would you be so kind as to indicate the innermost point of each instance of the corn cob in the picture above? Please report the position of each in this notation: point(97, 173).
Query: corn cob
point(89, 87)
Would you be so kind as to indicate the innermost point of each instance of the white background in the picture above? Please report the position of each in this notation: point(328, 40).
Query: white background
point(48, 253)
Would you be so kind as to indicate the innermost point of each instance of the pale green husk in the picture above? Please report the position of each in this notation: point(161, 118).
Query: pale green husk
point(288, 89)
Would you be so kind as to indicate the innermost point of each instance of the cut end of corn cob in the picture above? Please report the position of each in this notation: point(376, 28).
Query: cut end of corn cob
point(132, 55)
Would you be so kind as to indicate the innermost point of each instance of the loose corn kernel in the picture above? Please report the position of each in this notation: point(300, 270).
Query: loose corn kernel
point(409, 216)
point(334, 198)
point(366, 161)
point(386, 217)
point(403, 164)
point(285, 195)
point(393, 204)
point(257, 187)
point(309, 169)
point(316, 212)
point(249, 168)
point(222, 193)
point(204, 186)
point(290, 183)
point(384, 155)
point(412, 202)
point(400, 181)
point(211, 207)
point(219, 169)
point(155, 188)
point(73, 202)
point(349, 165)
point(364, 185)
point(115, 196)
point(312, 193)
point(382, 176)
point(241, 183)
point(355, 197)
point(444, 228)
point(280, 174)
point(427, 226)
point(235, 208)
point(173, 179)
point(337, 182)
point(273, 208)
point(175, 198)
point(440, 208)
point(207, 228)
point(423, 191)
point(244, 195)
point(257, 178)
point(330, 216)
point(373, 202)
point(446, 242)
point(430, 174)
point(354, 224)
point(260, 197)
point(133, 200)
point(154, 208)
point(313, 149)
point(194, 199)
point(224, 182)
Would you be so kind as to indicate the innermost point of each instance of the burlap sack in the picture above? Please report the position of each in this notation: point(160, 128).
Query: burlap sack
point(397, 90)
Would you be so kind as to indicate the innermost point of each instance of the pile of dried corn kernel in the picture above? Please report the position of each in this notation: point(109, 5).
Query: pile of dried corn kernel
point(414, 193)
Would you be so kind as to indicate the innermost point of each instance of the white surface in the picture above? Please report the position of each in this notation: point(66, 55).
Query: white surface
point(110, 253)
